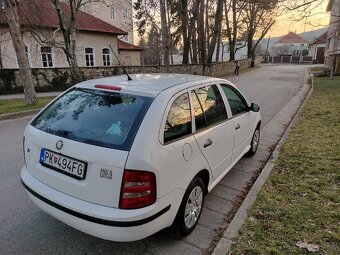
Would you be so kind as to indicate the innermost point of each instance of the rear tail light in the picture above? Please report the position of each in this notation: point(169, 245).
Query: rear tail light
point(138, 189)
point(23, 150)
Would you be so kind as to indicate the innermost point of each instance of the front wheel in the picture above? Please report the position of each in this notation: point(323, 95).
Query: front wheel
point(254, 143)
point(191, 208)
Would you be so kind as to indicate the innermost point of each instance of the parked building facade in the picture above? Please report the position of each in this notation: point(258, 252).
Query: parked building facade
point(332, 51)
point(97, 42)
point(317, 49)
point(116, 13)
point(290, 45)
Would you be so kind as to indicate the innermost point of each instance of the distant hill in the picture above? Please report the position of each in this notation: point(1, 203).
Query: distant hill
point(311, 35)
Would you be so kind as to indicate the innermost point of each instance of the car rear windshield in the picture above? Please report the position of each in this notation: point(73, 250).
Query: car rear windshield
point(106, 119)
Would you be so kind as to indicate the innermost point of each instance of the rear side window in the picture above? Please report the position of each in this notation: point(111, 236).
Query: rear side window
point(178, 122)
point(209, 108)
point(95, 117)
point(238, 104)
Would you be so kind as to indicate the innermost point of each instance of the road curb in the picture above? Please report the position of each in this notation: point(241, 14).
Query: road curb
point(225, 243)
point(17, 115)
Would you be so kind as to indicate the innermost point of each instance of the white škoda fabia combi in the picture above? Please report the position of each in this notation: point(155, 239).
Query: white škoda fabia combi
point(121, 159)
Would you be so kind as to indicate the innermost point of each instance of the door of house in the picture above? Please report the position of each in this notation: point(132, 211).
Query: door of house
point(320, 55)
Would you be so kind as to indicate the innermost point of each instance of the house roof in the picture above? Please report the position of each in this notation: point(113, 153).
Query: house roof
point(41, 13)
point(321, 39)
point(330, 5)
point(127, 46)
point(291, 37)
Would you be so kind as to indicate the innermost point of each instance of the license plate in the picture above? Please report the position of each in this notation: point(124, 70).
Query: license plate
point(63, 164)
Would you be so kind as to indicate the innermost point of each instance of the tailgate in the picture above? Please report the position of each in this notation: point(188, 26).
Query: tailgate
point(96, 185)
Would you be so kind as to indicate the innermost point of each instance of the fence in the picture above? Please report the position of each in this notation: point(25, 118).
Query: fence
point(290, 59)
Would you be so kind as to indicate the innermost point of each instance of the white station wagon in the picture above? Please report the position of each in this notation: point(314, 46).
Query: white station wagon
point(121, 159)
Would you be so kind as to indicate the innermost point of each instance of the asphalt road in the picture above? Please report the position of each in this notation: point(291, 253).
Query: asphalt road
point(25, 229)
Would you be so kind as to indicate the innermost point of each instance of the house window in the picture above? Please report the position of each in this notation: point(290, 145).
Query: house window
point(112, 12)
point(46, 56)
point(89, 57)
point(126, 38)
point(125, 14)
point(106, 57)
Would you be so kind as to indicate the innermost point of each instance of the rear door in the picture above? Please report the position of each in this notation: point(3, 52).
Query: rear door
point(214, 132)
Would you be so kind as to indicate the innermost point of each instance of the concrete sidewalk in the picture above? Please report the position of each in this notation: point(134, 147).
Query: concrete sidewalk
point(272, 137)
point(18, 96)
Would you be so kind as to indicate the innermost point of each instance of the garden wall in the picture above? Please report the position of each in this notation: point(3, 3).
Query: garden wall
point(52, 79)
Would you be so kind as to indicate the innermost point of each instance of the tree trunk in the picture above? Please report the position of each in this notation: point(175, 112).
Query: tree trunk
point(202, 33)
point(218, 47)
point(165, 37)
point(185, 33)
point(20, 50)
point(216, 30)
point(68, 29)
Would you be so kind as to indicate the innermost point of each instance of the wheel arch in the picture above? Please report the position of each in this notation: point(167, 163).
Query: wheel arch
point(205, 176)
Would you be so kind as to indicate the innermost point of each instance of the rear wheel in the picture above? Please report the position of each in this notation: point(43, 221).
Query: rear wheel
point(191, 208)
point(254, 143)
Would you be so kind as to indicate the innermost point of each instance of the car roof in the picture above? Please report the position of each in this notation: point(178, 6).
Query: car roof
point(148, 84)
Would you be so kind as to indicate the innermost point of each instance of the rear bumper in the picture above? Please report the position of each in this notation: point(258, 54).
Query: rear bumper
point(101, 221)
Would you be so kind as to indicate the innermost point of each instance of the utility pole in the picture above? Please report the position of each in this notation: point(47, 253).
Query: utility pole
point(335, 45)
point(266, 55)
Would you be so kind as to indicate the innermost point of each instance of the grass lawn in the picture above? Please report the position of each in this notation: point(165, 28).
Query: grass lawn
point(300, 201)
point(18, 105)
point(317, 69)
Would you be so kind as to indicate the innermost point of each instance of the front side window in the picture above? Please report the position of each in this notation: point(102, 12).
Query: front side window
point(46, 56)
point(178, 122)
point(209, 108)
point(106, 57)
point(89, 57)
point(95, 117)
point(238, 104)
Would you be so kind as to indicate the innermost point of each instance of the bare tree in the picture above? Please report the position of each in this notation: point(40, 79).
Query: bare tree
point(67, 23)
point(259, 17)
point(156, 13)
point(216, 30)
point(13, 20)
point(234, 24)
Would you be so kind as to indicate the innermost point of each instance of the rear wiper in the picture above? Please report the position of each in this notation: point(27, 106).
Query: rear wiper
point(63, 133)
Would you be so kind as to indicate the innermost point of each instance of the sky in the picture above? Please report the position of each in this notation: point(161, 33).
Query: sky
point(319, 18)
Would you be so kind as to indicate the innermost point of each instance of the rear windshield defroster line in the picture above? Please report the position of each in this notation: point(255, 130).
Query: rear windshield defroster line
point(106, 119)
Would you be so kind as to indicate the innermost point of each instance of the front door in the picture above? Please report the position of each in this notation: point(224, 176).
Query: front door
point(241, 118)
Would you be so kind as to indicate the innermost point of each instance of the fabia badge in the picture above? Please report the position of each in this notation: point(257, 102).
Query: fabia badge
point(59, 145)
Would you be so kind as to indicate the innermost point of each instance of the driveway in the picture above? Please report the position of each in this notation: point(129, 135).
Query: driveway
point(25, 229)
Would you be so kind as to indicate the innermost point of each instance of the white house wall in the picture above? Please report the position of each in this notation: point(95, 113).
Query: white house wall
point(96, 41)
point(102, 10)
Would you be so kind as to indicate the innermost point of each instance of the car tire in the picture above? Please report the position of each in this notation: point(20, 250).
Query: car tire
point(254, 144)
point(190, 209)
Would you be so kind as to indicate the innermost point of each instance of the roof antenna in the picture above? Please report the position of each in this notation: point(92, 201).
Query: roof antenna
point(125, 72)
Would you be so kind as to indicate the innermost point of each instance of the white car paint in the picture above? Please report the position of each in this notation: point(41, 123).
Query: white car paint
point(92, 205)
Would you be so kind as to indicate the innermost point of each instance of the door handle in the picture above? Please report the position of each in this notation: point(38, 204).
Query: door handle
point(207, 143)
point(237, 126)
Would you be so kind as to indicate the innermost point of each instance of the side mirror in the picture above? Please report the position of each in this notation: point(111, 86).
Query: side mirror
point(254, 107)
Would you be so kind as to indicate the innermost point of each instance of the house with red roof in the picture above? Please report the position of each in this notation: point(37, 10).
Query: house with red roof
point(317, 49)
point(332, 51)
point(97, 42)
point(290, 45)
